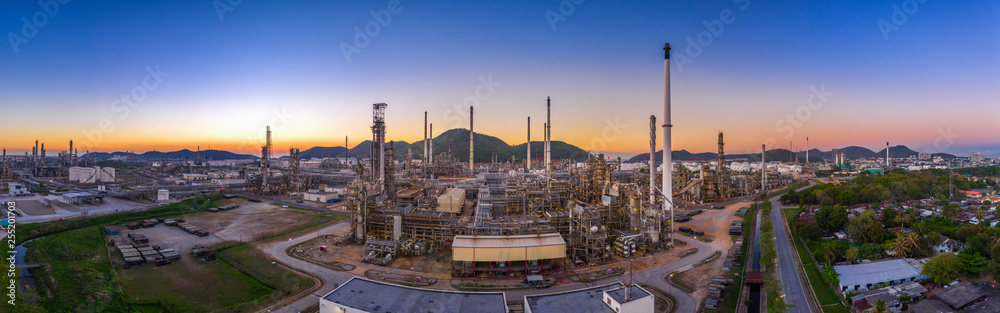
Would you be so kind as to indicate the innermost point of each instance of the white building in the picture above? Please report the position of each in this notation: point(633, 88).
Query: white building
point(320, 196)
point(613, 298)
point(17, 189)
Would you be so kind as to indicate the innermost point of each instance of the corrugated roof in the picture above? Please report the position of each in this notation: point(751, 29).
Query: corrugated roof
point(874, 273)
point(961, 294)
point(466, 241)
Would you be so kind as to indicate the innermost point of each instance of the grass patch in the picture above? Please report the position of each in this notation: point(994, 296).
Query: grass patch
point(194, 286)
point(76, 275)
point(680, 280)
point(257, 264)
point(835, 309)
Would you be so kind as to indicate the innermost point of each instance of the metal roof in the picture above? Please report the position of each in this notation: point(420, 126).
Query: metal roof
point(931, 306)
point(961, 294)
point(508, 248)
point(874, 273)
point(378, 297)
point(468, 241)
point(590, 300)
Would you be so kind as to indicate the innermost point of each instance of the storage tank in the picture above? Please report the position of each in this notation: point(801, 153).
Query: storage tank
point(107, 175)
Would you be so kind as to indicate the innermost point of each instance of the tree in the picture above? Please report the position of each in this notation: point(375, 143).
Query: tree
point(943, 268)
point(904, 244)
point(808, 232)
point(866, 229)
point(950, 211)
point(889, 218)
point(852, 254)
point(972, 263)
point(832, 218)
point(994, 267)
point(775, 300)
point(880, 306)
point(829, 254)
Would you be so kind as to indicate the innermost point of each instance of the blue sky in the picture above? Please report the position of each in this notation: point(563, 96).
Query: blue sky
point(281, 64)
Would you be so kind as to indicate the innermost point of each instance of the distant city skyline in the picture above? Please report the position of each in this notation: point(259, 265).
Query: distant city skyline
point(193, 74)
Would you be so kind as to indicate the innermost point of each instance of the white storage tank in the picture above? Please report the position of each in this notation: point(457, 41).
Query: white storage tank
point(162, 195)
point(107, 174)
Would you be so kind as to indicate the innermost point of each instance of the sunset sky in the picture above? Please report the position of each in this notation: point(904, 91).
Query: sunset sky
point(925, 75)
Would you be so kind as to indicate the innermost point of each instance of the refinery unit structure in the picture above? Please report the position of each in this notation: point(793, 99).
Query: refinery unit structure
point(592, 210)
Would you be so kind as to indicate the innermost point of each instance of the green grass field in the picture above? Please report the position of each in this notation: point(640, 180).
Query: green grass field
point(77, 275)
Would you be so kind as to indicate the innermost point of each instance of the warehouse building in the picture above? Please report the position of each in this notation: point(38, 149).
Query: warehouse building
point(613, 298)
point(320, 196)
point(517, 255)
point(867, 275)
point(360, 295)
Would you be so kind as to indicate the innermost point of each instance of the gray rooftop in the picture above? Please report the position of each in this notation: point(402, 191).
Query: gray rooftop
point(619, 294)
point(378, 297)
point(590, 300)
point(961, 294)
point(931, 306)
point(874, 273)
point(989, 305)
point(892, 293)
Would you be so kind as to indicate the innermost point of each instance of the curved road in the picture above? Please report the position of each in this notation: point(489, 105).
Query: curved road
point(652, 276)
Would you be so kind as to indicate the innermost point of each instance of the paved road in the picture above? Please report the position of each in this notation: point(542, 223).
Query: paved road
point(330, 278)
point(653, 276)
point(792, 284)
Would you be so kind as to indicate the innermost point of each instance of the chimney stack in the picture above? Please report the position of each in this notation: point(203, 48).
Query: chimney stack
point(430, 145)
point(472, 164)
point(425, 139)
point(528, 159)
point(807, 150)
point(652, 159)
point(548, 136)
point(668, 168)
point(763, 169)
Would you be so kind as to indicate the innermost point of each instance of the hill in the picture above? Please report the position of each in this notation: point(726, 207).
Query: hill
point(173, 155)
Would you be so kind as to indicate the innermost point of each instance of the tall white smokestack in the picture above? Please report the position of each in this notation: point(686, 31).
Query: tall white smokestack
point(668, 167)
point(652, 159)
point(888, 166)
point(528, 159)
point(430, 145)
point(425, 139)
point(763, 168)
point(471, 163)
point(548, 135)
point(807, 150)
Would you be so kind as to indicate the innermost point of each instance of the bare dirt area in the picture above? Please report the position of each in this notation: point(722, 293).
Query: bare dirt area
point(715, 224)
point(66, 206)
point(34, 208)
point(250, 222)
